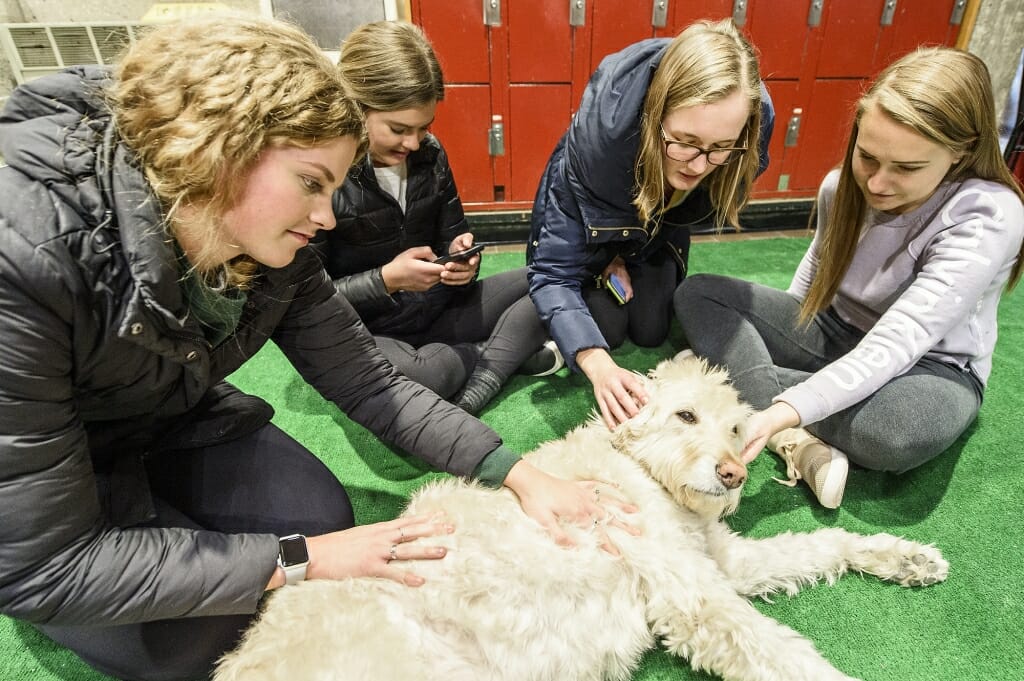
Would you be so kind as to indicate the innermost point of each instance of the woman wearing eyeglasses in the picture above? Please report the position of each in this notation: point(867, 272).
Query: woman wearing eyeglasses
point(669, 133)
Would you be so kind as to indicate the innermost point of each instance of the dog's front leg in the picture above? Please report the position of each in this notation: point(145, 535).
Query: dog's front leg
point(787, 562)
point(697, 615)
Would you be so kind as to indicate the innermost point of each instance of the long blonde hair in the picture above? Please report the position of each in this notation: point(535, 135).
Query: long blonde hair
point(942, 94)
point(390, 66)
point(198, 101)
point(705, 63)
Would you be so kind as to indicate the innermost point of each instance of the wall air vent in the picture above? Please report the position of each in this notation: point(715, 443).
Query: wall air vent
point(38, 49)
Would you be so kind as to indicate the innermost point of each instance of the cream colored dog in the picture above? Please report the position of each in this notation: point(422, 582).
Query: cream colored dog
point(507, 603)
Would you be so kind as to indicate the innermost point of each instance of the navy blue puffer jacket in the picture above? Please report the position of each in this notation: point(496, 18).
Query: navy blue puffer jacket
point(583, 215)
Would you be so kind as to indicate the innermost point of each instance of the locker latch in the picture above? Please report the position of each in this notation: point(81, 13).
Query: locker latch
point(659, 14)
point(958, 12)
point(888, 12)
point(577, 12)
point(496, 137)
point(739, 12)
point(814, 16)
point(492, 12)
point(793, 129)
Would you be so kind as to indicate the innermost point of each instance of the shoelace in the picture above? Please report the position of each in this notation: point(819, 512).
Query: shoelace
point(792, 472)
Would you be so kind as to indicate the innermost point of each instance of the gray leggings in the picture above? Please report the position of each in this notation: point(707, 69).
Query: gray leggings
point(752, 330)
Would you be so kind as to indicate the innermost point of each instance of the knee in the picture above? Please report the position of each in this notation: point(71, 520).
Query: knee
point(694, 288)
point(900, 452)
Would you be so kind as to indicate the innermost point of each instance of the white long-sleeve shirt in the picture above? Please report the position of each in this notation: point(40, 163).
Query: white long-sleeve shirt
point(926, 282)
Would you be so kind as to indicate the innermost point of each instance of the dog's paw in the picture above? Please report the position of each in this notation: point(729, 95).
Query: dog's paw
point(921, 565)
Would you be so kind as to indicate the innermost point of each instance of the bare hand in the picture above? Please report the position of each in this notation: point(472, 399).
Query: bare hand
point(618, 268)
point(460, 273)
point(367, 550)
point(620, 393)
point(412, 270)
point(763, 424)
point(550, 501)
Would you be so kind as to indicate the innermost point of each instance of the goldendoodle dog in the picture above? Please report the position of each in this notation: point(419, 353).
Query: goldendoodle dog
point(509, 604)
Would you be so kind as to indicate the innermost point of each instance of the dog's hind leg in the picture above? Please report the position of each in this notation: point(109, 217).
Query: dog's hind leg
point(788, 562)
point(697, 615)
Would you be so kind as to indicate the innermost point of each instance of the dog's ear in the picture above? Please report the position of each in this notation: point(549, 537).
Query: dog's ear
point(628, 431)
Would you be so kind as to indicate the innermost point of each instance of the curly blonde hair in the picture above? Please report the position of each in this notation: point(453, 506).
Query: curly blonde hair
point(705, 63)
point(198, 101)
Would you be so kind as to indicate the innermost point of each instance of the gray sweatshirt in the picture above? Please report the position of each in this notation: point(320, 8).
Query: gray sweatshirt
point(924, 283)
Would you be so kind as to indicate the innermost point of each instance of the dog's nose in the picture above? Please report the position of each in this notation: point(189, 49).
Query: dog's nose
point(731, 474)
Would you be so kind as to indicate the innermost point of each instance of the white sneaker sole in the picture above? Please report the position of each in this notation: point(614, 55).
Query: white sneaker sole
point(835, 482)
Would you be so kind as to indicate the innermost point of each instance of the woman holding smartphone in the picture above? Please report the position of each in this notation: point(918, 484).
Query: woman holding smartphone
point(669, 133)
point(401, 226)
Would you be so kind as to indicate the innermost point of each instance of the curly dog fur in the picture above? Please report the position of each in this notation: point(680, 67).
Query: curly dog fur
point(507, 603)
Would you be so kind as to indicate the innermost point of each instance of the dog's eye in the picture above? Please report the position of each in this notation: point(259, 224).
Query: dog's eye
point(735, 430)
point(687, 416)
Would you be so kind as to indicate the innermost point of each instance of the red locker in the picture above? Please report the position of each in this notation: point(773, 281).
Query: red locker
point(528, 66)
point(824, 129)
point(851, 31)
point(461, 123)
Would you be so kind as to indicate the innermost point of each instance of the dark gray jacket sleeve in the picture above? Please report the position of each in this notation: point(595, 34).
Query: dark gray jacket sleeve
point(61, 562)
point(324, 339)
point(367, 292)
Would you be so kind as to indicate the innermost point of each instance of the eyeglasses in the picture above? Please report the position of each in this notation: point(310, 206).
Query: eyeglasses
point(682, 151)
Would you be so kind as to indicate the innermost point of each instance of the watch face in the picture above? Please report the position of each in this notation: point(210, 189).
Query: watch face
point(293, 550)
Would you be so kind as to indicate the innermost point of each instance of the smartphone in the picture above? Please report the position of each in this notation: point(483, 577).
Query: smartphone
point(459, 256)
point(614, 285)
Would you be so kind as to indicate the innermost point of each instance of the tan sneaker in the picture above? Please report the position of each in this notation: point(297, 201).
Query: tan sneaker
point(822, 467)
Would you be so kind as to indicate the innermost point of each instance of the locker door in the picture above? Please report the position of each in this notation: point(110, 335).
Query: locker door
point(916, 22)
point(784, 97)
point(780, 32)
point(462, 43)
point(538, 115)
point(460, 38)
point(851, 32)
point(542, 61)
point(462, 123)
point(685, 12)
point(616, 25)
point(540, 41)
point(827, 114)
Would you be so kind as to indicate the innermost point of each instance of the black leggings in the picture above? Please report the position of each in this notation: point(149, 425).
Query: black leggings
point(646, 318)
point(262, 483)
point(494, 326)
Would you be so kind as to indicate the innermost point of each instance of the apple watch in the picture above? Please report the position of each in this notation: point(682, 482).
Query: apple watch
point(293, 557)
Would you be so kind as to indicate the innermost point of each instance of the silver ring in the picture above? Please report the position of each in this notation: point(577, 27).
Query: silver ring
point(394, 552)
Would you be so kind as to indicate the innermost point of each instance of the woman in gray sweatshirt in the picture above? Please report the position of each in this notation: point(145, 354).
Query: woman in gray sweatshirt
point(880, 350)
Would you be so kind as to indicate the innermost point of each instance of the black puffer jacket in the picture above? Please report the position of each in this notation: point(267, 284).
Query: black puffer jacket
point(100, 362)
point(373, 229)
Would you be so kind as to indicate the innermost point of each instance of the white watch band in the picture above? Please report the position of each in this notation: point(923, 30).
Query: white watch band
point(295, 573)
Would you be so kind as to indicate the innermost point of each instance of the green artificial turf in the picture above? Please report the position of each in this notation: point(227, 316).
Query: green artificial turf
point(968, 502)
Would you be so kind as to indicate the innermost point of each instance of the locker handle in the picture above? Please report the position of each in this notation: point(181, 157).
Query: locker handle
point(958, 12)
point(496, 136)
point(739, 12)
point(888, 12)
point(793, 128)
point(577, 12)
point(492, 12)
point(814, 16)
point(659, 14)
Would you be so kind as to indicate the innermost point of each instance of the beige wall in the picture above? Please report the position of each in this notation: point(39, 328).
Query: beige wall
point(998, 38)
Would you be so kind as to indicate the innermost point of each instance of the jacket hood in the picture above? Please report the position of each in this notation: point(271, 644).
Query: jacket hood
point(56, 130)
